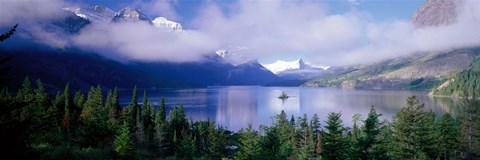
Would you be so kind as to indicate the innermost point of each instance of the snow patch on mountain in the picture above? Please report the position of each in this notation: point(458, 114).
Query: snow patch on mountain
point(234, 55)
point(95, 14)
point(299, 64)
point(164, 23)
point(297, 69)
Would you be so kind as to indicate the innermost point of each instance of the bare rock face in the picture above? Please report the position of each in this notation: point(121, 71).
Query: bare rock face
point(437, 13)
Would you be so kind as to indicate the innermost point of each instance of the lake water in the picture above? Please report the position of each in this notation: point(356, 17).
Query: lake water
point(236, 106)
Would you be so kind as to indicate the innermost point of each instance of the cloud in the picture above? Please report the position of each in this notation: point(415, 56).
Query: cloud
point(141, 41)
point(354, 2)
point(160, 7)
point(20, 11)
point(277, 28)
point(272, 29)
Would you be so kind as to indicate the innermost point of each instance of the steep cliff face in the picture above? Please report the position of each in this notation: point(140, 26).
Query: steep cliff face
point(437, 13)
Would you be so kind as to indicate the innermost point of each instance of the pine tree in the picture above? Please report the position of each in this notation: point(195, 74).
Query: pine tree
point(78, 100)
point(369, 141)
point(314, 137)
point(109, 106)
point(133, 109)
point(449, 137)
point(9, 33)
point(41, 96)
point(115, 106)
point(95, 129)
point(25, 94)
point(249, 148)
point(163, 112)
point(217, 141)
point(411, 129)
point(270, 143)
point(67, 117)
point(123, 144)
point(334, 144)
point(471, 125)
point(303, 141)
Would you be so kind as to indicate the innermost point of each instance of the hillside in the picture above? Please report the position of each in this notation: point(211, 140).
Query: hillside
point(420, 71)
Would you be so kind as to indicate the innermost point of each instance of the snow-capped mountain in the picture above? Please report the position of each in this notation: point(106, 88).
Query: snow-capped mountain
point(129, 14)
point(234, 55)
point(164, 23)
point(297, 69)
point(95, 14)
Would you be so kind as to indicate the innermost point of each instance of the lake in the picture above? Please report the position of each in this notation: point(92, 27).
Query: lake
point(236, 106)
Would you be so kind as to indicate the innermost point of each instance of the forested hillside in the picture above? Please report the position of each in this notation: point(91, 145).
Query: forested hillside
point(465, 83)
point(74, 125)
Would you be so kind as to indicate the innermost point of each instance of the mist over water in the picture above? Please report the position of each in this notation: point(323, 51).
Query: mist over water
point(237, 106)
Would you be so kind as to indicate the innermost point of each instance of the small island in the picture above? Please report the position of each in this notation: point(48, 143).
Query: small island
point(283, 96)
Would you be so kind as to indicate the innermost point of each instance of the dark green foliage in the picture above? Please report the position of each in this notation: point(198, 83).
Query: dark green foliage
point(471, 125)
point(334, 141)
point(250, 147)
point(448, 134)
point(123, 144)
point(369, 141)
point(34, 125)
point(9, 33)
point(461, 84)
point(413, 132)
point(270, 143)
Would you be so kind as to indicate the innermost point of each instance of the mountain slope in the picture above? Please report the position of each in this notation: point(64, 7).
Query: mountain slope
point(80, 69)
point(421, 71)
point(295, 70)
point(129, 14)
point(95, 14)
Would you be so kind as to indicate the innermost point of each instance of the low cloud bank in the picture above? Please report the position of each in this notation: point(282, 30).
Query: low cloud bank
point(266, 28)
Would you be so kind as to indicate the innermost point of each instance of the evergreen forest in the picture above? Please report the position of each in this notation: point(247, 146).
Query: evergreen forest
point(93, 125)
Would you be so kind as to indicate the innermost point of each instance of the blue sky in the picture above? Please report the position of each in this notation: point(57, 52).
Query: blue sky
point(380, 10)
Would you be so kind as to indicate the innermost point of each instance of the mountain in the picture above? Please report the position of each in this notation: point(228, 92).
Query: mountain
point(252, 73)
point(69, 24)
point(420, 71)
point(95, 14)
point(81, 69)
point(130, 14)
point(164, 23)
point(234, 54)
point(297, 69)
point(436, 13)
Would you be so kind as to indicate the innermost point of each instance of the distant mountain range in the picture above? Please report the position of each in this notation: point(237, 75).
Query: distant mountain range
point(82, 69)
point(422, 71)
point(102, 14)
point(295, 70)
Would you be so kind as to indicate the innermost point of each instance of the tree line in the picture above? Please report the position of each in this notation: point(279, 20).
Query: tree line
point(74, 125)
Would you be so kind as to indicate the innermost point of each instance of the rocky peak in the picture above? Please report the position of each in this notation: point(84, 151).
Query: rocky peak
point(436, 13)
point(130, 15)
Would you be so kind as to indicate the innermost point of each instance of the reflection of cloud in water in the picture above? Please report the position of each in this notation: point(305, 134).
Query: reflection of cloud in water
point(236, 107)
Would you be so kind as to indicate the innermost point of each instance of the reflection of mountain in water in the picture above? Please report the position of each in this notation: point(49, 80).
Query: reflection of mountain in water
point(236, 107)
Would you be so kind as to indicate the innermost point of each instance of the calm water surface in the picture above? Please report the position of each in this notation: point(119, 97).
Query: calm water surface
point(237, 106)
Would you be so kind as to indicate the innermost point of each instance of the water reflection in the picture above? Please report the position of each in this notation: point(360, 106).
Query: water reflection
point(236, 107)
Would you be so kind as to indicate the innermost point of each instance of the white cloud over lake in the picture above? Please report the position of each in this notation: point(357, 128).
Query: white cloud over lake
point(269, 29)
